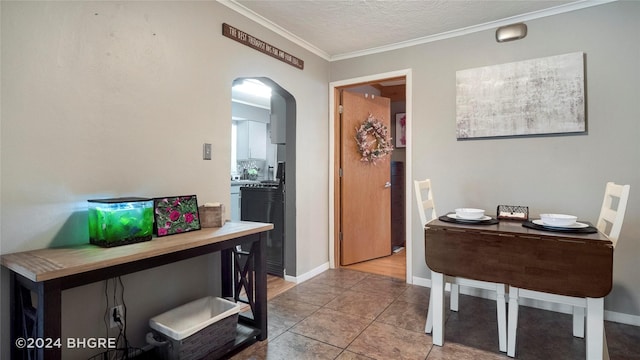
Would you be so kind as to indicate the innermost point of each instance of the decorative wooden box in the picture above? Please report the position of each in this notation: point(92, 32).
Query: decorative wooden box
point(211, 215)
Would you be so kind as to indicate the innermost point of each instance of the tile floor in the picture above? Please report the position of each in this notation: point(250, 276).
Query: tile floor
point(345, 314)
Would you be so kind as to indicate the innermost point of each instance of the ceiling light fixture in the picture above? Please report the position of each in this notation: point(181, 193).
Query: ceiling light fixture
point(253, 87)
point(511, 32)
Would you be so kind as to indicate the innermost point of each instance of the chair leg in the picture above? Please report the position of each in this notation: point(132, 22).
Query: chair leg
point(428, 326)
point(605, 349)
point(513, 321)
point(578, 321)
point(437, 296)
point(595, 328)
point(502, 318)
point(453, 300)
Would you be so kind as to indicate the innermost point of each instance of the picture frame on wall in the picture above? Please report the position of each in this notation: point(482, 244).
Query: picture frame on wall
point(176, 214)
point(541, 96)
point(401, 130)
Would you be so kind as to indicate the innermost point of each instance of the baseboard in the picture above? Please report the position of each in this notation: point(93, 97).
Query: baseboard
point(622, 318)
point(613, 316)
point(308, 275)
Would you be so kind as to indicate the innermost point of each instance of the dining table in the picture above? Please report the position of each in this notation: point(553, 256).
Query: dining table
point(570, 263)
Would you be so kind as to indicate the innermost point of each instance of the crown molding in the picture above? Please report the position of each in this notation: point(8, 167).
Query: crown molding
point(242, 10)
point(476, 28)
point(578, 5)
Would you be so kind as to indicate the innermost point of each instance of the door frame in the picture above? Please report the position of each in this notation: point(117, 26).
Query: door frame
point(334, 163)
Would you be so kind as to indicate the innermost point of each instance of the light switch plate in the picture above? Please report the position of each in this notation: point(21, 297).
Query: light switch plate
point(206, 152)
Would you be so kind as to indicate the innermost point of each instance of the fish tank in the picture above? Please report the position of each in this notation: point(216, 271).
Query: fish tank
point(120, 221)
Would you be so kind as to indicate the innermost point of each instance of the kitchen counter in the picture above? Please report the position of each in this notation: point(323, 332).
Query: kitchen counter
point(244, 182)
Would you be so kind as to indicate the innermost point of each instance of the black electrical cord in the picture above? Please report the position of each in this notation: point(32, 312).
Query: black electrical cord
point(124, 310)
point(106, 310)
point(123, 351)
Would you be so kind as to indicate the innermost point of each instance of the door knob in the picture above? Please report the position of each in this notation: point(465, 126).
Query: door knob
point(387, 184)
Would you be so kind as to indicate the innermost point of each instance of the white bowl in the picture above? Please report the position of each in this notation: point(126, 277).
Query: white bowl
point(558, 219)
point(469, 213)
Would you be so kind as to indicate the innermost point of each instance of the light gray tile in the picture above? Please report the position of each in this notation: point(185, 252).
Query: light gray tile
point(332, 327)
point(366, 305)
point(405, 315)
point(310, 293)
point(290, 346)
point(382, 341)
point(340, 278)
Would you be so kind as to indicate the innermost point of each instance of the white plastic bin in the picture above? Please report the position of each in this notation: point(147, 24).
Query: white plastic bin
point(198, 328)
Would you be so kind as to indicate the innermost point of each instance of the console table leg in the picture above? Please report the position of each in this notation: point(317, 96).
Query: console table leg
point(261, 285)
point(49, 308)
point(17, 317)
point(228, 275)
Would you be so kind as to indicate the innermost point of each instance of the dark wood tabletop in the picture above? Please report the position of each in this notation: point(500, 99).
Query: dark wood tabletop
point(571, 264)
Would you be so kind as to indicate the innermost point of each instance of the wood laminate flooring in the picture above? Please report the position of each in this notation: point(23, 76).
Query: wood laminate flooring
point(277, 285)
point(394, 265)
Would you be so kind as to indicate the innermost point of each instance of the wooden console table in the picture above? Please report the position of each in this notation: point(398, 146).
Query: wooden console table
point(49, 271)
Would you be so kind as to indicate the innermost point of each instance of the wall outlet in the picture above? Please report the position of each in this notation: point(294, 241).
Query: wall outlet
point(116, 312)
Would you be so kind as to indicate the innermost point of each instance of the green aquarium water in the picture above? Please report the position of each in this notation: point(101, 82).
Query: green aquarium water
point(120, 221)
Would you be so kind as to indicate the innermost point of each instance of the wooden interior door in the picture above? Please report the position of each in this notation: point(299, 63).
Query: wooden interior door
point(365, 188)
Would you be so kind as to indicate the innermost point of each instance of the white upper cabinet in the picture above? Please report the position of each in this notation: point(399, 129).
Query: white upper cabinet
point(278, 119)
point(251, 142)
point(257, 140)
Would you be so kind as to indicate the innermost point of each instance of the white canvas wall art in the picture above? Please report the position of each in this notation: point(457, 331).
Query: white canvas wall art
point(532, 97)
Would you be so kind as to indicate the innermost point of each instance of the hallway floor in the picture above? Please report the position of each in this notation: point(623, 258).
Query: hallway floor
point(345, 314)
point(394, 265)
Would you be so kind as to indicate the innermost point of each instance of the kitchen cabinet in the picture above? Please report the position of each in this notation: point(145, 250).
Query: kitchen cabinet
point(278, 133)
point(257, 140)
point(251, 140)
point(235, 202)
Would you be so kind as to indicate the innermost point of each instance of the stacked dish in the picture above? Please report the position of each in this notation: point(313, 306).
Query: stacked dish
point(469, 214)
point(559, 221)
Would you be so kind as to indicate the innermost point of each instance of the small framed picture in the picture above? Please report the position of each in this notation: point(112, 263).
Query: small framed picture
point(176, 214)
point(401, 126)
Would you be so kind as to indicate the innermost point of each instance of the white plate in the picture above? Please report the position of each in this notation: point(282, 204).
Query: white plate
point(576, 225)
point(454, 216)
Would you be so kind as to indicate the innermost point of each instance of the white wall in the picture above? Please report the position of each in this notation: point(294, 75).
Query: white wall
point(106, 99)
point(549, 174)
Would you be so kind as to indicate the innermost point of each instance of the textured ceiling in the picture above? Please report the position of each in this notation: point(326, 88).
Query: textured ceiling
point(339, 28)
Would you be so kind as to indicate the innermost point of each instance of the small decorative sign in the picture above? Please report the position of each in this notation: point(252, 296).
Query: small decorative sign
point(257, 44)
point(512, 212)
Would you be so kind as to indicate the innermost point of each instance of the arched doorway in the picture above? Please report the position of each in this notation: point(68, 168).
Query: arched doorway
point(263, 155)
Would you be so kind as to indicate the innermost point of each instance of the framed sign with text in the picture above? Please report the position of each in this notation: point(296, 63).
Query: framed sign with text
point(257, 44)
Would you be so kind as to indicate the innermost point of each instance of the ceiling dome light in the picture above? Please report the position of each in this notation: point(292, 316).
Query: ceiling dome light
point(511, 32)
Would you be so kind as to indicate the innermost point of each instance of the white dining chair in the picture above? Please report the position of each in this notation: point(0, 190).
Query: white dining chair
point(426, 205)
point(609, 223)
